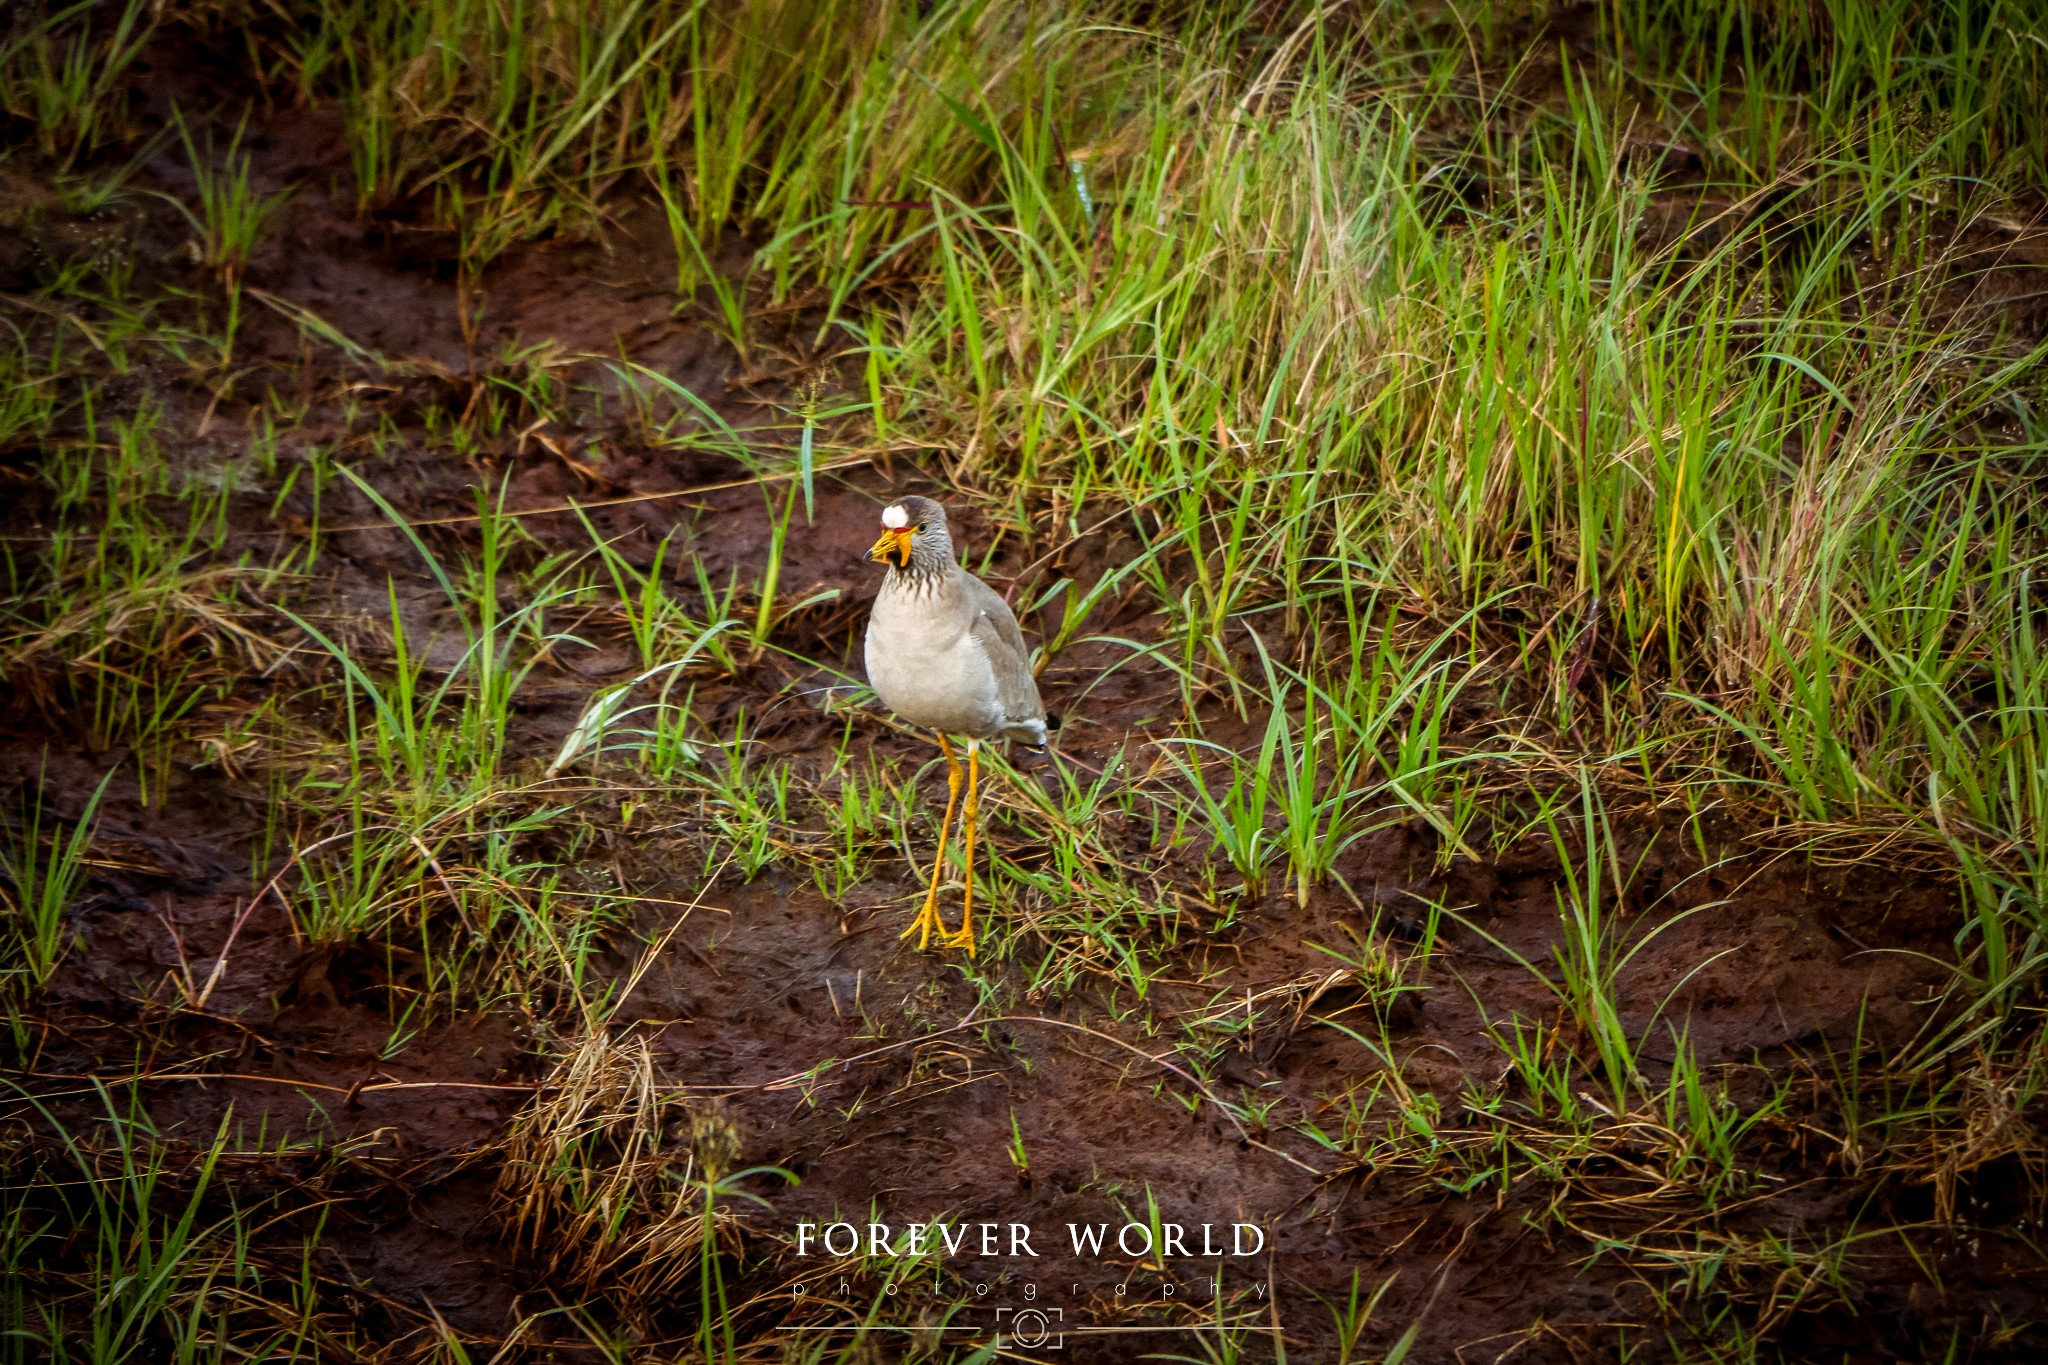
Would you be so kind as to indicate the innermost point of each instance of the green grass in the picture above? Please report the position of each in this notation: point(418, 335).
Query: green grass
point(229, 220)
point(1501, 439)
point(163, 1269)
point(45, 881)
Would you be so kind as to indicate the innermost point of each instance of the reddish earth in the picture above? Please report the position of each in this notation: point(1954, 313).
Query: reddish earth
point(763, 982)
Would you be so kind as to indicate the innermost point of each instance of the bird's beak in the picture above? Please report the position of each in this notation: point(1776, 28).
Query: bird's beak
point(892, 548)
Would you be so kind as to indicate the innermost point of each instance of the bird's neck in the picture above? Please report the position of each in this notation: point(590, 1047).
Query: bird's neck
point(923, 576)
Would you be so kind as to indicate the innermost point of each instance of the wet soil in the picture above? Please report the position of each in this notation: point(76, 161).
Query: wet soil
point(884, 1080)
point(913, 1116)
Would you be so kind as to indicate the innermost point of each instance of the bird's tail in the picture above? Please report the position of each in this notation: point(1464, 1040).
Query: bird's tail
point(1037, 736)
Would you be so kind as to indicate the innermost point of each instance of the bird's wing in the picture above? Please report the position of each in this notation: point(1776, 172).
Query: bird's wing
point(994, 627)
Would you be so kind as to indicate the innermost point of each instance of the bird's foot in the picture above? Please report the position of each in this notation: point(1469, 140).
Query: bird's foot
point(927, 923)
point(964, 939)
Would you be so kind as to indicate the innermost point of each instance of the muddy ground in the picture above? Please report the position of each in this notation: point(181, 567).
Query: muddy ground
point(888, 1083)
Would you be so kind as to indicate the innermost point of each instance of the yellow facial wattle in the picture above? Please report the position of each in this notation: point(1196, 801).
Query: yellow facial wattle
point(892, 548)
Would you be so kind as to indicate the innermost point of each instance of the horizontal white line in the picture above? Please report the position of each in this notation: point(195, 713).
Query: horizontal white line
point(1051, 1329)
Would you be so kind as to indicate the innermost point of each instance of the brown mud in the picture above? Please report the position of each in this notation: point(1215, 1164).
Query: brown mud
point(885, 1080)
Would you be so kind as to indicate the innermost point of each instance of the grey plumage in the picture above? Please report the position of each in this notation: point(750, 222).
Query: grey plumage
point(944, 650)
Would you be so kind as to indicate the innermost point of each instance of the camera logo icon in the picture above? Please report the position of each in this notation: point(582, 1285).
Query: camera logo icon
point(1032, 1327)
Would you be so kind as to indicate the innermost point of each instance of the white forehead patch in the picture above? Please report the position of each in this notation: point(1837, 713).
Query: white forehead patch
point(895, 518)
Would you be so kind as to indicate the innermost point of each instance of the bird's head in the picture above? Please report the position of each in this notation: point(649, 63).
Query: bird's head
point(913, 534)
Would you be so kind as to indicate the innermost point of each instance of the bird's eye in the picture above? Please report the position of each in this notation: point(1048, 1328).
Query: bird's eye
point(918, 529)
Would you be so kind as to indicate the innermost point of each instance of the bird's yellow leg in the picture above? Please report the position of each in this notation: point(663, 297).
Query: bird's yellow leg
point(970, 820)
point(928, 918)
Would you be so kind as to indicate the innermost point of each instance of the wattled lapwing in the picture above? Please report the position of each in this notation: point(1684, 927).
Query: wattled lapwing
point(944, 652)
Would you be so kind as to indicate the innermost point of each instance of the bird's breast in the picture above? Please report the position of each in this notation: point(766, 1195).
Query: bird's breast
point(925, 665)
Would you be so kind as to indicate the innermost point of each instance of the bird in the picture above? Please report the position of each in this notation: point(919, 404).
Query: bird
point(945, 653)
